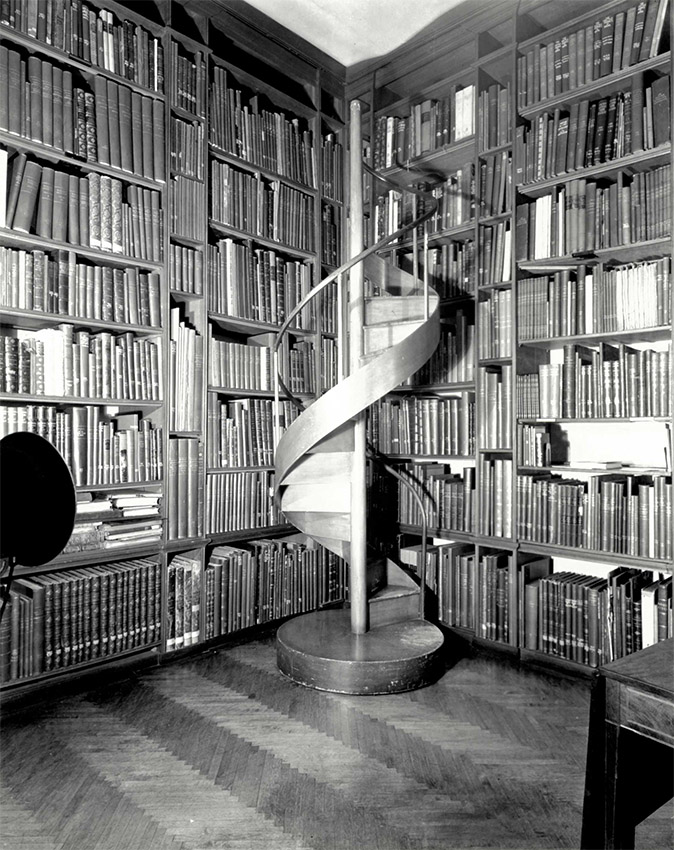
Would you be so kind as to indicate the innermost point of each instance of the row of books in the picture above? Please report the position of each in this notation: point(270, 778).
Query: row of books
point(332, 168)
point(456, 205)
point(616, 512)
point(424, 426)
point(186, 147)
point(128, 130)
point(57, 620)
point(327, 309)
point(98, 449)
point(494, 316)
point(495, 254)
point(186, 373)
point(607, 46)
point(451, 267)
point(578, 617)
point(186, 269)
point(259, 207)
point(96, 37)
point(267, 580)
point(331, 235)
point(494, 399)
point(95, 211)
point(91, 535)
point(241, 431)
point(495, 496)
point(610, 382)
point(599, 300)
point(449, 499)
point(494, 116)
point(257, 283)
point(242, 126)
point(594, 621)
point(535, 445)
point(237, 501)
point(594, 131)
point(57, 283)
point(183, 602)
point(67, 363)
point(241, 365)
point(584, 216)
point(452, 360)
point(188, 215)
point(496, 176)
point(185, 476)
point(329, 367)
point(430, 125)
point(188, 81)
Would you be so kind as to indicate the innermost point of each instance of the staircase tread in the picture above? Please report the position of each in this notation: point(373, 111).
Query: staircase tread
point(392, 591)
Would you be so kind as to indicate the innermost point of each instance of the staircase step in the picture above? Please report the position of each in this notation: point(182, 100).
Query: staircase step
point(339, 547)
point(323, 465)
point(380, 337)
point(339, 440)
point(393, 604)
point(393, 591)
point(391, 279)
point(331, 496)
point(382, 310)
point(328, 524)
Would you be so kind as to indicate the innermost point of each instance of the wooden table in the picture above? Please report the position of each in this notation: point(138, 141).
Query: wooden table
point(630, 753)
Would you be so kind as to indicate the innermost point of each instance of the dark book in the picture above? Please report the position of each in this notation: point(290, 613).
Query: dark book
point(26, 203)
point(600, 131)
point(660, 89)
point(43, 226)
point(637, 112)
point(138, 133)
point(606, 61)
point(572, 139)
point(610, 136)
point(618, 35)
point(562, 137)
point(33, 591)
point(47, 106)
point(101, 110)
point(16, 166)
point(628, 37)
point(648, 30)
point(114, 127)
point(60, 207)
point(147, 167)
point(639, 22)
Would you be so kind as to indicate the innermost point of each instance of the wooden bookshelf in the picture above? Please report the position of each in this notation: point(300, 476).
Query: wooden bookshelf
point(551, 296)
point(154, 258)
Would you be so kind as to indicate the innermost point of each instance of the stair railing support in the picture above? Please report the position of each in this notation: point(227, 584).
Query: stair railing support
point(358, 549)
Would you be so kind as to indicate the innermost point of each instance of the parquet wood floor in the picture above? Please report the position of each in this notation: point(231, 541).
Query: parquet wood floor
point(220, 751)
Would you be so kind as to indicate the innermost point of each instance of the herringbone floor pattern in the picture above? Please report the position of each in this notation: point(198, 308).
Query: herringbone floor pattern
point(222, 752)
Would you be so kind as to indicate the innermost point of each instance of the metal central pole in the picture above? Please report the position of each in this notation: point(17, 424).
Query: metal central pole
point(358, 563)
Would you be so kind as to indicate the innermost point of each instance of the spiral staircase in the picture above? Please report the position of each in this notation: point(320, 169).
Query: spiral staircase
point(381, 643)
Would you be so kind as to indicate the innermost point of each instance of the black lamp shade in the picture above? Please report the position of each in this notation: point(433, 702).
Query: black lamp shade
point(37, 500)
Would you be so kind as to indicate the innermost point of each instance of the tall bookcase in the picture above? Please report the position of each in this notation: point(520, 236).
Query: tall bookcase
point(179, 176)
point(543, 442)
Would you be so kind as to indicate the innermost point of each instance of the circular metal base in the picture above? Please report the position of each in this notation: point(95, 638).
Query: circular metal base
point(319, 651)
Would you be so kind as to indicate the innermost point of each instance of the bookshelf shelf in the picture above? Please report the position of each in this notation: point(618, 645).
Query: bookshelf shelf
point(249, 326)
point(251, 533)
point(54, 155)
point(634, 335)
point(227, 230)
point(597, 556)
point(597, 87)
point(640, 161)
point(229, 470)
point(119, 487)
point(94, 556)
point(305, 188)
point(88, 400)
point(14, 238)
point(440, 160)
point(38, 319)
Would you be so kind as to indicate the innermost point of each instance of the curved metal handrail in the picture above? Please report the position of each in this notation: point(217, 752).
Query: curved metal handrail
point(377, 457)
point(363, 255)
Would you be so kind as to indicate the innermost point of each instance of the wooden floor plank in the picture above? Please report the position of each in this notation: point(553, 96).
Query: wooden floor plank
point(221, 751)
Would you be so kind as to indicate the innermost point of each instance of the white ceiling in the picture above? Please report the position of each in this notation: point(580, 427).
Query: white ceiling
point(353, 30)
